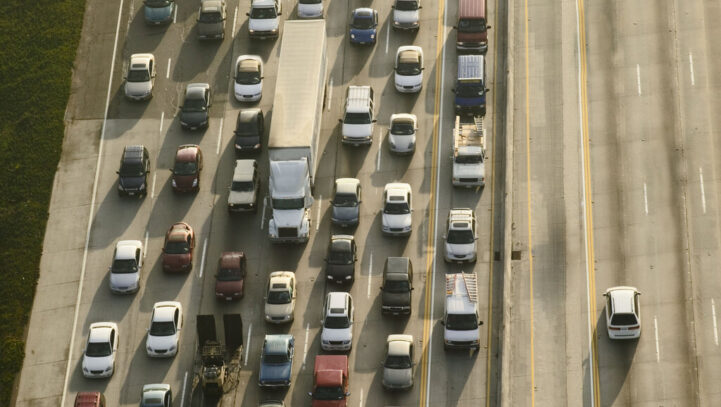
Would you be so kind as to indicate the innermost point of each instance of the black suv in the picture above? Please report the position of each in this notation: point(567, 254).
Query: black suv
point(133, 172)
point(249, 129)
point(340, 263)
point(397, 286)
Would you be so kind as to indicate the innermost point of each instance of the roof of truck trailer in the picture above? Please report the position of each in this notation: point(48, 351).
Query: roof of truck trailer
point(298, 82)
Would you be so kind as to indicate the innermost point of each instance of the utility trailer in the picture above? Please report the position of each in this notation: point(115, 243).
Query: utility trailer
point(217, 364)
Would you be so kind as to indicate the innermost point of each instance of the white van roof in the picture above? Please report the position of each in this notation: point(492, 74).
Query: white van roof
point(359, 99)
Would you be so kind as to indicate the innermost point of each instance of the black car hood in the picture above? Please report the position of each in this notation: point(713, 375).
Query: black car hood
point(246, 140)
point(193, 118)
point(396, 298)
point(340, 270)
point(131, 182)
point(345, 212)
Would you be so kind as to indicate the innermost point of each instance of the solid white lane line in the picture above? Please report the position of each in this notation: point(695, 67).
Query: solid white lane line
point(76, 312)
point(690, 65)
point(715, 326)
point(361, 398)
point(655, 328)
point(162, 118)
point(152, 190)
point(305, 344)
point(175, 14)
point(388, 37)
point(703, 191)
point(378, 158)
point(645, 198)
point(235, 17)
point(182, 395)
point(202, 258)
point(317, 222)
point(638, 78)
point(167, 71)
point(145, 245)
point(247, 345)
point(370, 273)
point(330, 93)
point(220, 137)
point(262, 217)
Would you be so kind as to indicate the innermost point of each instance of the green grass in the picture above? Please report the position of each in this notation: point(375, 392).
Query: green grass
point(38, 40)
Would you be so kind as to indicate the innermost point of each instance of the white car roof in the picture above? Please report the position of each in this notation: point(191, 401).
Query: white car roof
point(337, 300)
point(100, 331)
point(399, 345)
point(278, 278)
point(125, 249)
point(141, 59)
point(622, 298)
point(396, 189)
point(165, 311)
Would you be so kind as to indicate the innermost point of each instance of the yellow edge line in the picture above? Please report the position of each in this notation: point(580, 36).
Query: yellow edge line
point(489, 318)
point(588, 204)
point(528, 203)
point(430, 249)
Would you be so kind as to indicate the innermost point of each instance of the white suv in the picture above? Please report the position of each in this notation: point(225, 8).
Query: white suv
point(396, 219)
point(623, 313)
point(164, 331)
point(337, 334)
point(460, 238)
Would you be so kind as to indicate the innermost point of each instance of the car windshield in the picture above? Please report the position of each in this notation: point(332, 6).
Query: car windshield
point(98, 349)
point(329, 393)
point(248, 78)
point(152, 401)
point(624, 319)
point(402, 128)
point(408, 69)
point(362, 22)
point(132, 170)
point(138, 75)
point(406, 5)
point(229, 274)
point(470, 91)
point(246, 129)
point(288, 203)
point(460, 237)
point(357, 118)
point(397, 286)
point(398, 362)
point(282, 358)
point(125, 266)
point(185, 168)
point(345, 200)
point(210, 17)
point(461, 322)
point(177, 248)
point(279, 297)
point(396, 208)
point(310, 1)
point(165, 328)
point(194, 105)
point(469, 159)
point(472, 25)
point(242, 186)
point(336, 322)
point(263, 12)
point(340, 256)
point(157, 3)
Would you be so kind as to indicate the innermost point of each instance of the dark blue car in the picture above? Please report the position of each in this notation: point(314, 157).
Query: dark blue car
point(159, 11)
point(276, 361)
point(363, 25)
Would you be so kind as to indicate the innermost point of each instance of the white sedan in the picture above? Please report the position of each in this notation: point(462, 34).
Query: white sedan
point(248, 86)
point(402, 133)
point(164, 331)
point(396, 219)
point(99, 355)
point(409, 69)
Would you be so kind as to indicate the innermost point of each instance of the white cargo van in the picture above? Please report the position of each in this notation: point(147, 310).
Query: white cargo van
point(460, 319)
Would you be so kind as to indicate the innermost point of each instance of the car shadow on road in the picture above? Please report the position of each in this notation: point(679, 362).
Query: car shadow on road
point(194, 57)
point(149, 35)
point(158, 368)
point(115, 214)
point(122, 108)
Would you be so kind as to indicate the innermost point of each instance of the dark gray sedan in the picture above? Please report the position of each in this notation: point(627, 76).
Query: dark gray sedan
point(346, 202)
point(194, 111)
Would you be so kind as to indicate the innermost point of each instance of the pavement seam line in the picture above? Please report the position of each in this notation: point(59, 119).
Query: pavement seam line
point(432, 210)
point(92, 209)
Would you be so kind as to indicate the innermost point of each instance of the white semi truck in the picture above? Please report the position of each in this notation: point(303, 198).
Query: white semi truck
point(469, 153)
point(295, 129)
point(461, 321)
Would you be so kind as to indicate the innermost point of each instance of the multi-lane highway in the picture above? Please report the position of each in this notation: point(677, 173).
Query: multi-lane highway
point(87, 217)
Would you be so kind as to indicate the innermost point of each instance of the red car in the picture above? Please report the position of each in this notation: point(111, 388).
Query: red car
point(229, 282)
point(186, 171)
point(178, 248)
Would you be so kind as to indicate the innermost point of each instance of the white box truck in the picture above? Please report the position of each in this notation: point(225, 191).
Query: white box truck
point(469, 153)
point(295, 129)
point(461, 321)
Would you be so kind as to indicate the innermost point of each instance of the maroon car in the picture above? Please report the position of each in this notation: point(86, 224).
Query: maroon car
point(230, 280)
point(178, 248)
point(186, 171)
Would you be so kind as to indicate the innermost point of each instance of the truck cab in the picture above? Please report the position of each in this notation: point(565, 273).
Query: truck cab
point(461, 320)
point(330, 381)
point(471, 28)
point(359, 117)
point(291, 199)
